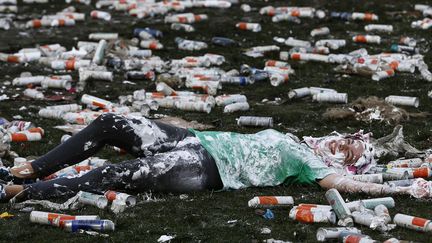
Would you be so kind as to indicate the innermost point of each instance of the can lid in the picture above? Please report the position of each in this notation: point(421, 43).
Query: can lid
point(67, 85)
point(292, 212)
point(284, 55)
point(332, 218)
point(102, 202)
point(253, 203)
point(321, 235)
point(394, 48)
point(347, 221)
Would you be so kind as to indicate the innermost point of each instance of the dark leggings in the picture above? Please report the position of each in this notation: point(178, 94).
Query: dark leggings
point(169, 159)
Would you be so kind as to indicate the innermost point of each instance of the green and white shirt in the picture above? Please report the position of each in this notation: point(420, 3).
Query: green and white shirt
point(266, 158)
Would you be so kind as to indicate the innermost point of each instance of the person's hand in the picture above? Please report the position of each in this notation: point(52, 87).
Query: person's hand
point(421, 188)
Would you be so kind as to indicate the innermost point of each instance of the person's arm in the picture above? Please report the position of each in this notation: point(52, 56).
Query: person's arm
point(344, 184)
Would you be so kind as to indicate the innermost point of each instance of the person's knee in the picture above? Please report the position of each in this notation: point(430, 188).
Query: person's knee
point(108, 119)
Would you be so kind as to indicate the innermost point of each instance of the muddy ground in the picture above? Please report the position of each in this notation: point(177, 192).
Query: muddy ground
point(203, 216)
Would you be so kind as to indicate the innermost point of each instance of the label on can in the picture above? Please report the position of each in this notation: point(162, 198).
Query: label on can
point(86, 225)
point(421, 222)
point(421, 172)
point(268, 200)
point(304, 216)
point(352, 239)
point(58, 219)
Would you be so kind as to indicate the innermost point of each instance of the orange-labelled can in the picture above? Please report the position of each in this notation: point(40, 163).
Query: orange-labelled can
point(37, 130)
point(70, 64)
point(368, 17)
point(360, 38)
point(423, 172)
point(24, 136)
point(56, 219)
point(242, 25)
point(13, 59)
point(37, 23)
point(296, 56)
point(412, 222)
point(295, 13)
point(312, 215)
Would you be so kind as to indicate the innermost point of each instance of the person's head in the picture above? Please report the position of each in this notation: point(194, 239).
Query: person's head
point(352, 152)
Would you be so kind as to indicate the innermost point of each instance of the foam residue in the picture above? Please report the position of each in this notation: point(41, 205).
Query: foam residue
point(87, 145)
point(143, 170)
point(149, 133)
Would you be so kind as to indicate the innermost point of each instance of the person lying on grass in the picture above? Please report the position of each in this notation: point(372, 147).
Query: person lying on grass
point(173, 159)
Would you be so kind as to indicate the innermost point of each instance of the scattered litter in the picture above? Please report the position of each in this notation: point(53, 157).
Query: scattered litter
point(71, 203)
point(88, 198)
point(94, 224)
point(270, 201)
point(232, 221)
point(6, 215)
point(119, 196)
point(56, 219)
point(325, 234)
point(312, 215)
point(267, 213)
point(372, 109)
point(92, 233)
point(347, 237)
point(255, 121)
point(265, 231)
point(165, 238)
point(276, 241)
point(339, 207)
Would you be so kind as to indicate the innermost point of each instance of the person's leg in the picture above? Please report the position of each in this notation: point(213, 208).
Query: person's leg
point(138, 137)
point(188, 167)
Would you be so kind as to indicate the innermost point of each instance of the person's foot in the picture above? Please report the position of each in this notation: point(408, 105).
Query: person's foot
point(23, 171)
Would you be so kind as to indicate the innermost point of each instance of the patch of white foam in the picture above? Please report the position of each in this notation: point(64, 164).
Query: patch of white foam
point(57, 185)
point(87, 145)
point(143, 170)
point(188, 140)
point(124, 173)
point(148, 132)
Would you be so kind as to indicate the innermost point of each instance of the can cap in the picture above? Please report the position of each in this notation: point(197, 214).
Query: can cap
point(347, 221)
point(394, 48)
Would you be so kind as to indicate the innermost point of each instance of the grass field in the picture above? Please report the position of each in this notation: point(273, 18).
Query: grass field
point(204, 216)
